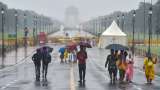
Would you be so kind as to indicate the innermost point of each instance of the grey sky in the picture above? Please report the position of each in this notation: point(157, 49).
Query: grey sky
point(87, 8)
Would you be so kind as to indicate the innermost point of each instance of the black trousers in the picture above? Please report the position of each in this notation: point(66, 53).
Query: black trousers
point(112, 73)
point(37, 70)
point(45, 69)
point(82, 71)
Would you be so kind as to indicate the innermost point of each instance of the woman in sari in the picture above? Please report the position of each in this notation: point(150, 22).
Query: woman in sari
point(149, 68)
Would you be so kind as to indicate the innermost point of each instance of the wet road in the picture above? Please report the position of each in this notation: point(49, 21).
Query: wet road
point(65, 76)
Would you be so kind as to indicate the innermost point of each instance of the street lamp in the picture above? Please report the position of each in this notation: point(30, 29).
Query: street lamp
point(150, 29)
point(25, 31)
point(3, 49)
point(123, 22)
point(16, 18)
point(34, 30)
point(144, 20)
point(133, 22)
point(25, 36)
point(118, 20)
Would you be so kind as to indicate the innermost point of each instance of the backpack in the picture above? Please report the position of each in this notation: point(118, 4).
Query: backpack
point(36, 57)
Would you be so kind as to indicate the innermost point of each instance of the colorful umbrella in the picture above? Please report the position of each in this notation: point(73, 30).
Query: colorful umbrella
point(71, 46)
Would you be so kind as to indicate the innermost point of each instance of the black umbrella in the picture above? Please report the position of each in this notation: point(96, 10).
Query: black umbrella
point(117, 47)
point(87, 45)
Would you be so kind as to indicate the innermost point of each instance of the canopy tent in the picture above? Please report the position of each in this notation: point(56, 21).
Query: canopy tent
point(112, 35)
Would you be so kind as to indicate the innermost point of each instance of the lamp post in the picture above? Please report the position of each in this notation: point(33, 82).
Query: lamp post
point(150, 29)
point(34, 30)
point(16, 18)
point(3, 49)
point(25, 36)
point(133, 22)
point(123, 22)
point(25, 32)
point(16, 41)
point(144, 21)
point(118, 20)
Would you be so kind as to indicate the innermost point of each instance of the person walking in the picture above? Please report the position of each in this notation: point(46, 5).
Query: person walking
point(116, 56)
point(65, 55)
point(129, 70)
point(149, 68)
point(122, 65)
point(46, 59)
point(74, 56)
point(112, 67)
point(36, 58)
point(82, 57)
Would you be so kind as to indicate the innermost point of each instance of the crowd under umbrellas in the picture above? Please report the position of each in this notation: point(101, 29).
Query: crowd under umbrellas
point(70, 49)
point(120, 61)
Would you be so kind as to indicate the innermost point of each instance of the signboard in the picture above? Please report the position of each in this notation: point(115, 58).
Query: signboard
point(42, 37)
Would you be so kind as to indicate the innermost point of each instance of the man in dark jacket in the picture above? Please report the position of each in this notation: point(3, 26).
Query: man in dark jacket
point(112, 67)
point(82, 56)
point(37, 62)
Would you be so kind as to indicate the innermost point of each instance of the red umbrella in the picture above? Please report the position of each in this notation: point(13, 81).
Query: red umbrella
point(72, 46)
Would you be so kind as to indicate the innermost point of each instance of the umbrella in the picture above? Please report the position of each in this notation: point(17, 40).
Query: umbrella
point(116, 47)
point(85, 44)
point(61, 50)
point(49, 48)
point(71, 46)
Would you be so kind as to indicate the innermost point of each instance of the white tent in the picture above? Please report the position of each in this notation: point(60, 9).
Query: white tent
point(112, 35)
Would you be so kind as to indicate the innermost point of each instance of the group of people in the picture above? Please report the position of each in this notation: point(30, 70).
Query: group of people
point(123, 63)
point(41, 57)
point(74, 56)
point(68, 55)
point(117, 62)
point(120, 63)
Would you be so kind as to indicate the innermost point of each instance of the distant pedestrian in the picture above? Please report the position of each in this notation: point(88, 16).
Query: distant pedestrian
point(74, 56)
point(112, 67)
point(66, 55)
point(70, 56)
point(46, 59)
point(129, 70)
point(149, 68)
point(82, 57)
point(36, 58)
point(62, 50)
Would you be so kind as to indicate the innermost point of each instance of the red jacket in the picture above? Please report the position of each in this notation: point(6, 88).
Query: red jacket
point(82, 56)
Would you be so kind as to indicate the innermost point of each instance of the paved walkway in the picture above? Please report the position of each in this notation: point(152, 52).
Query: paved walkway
point(65, 76)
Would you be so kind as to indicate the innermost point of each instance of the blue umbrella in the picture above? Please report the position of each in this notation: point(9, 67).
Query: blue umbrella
point(61, 50)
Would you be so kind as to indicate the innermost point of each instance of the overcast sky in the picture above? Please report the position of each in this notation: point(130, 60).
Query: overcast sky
point(87, 8)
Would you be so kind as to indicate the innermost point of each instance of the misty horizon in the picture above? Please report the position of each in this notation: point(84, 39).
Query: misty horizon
point(88, 9)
